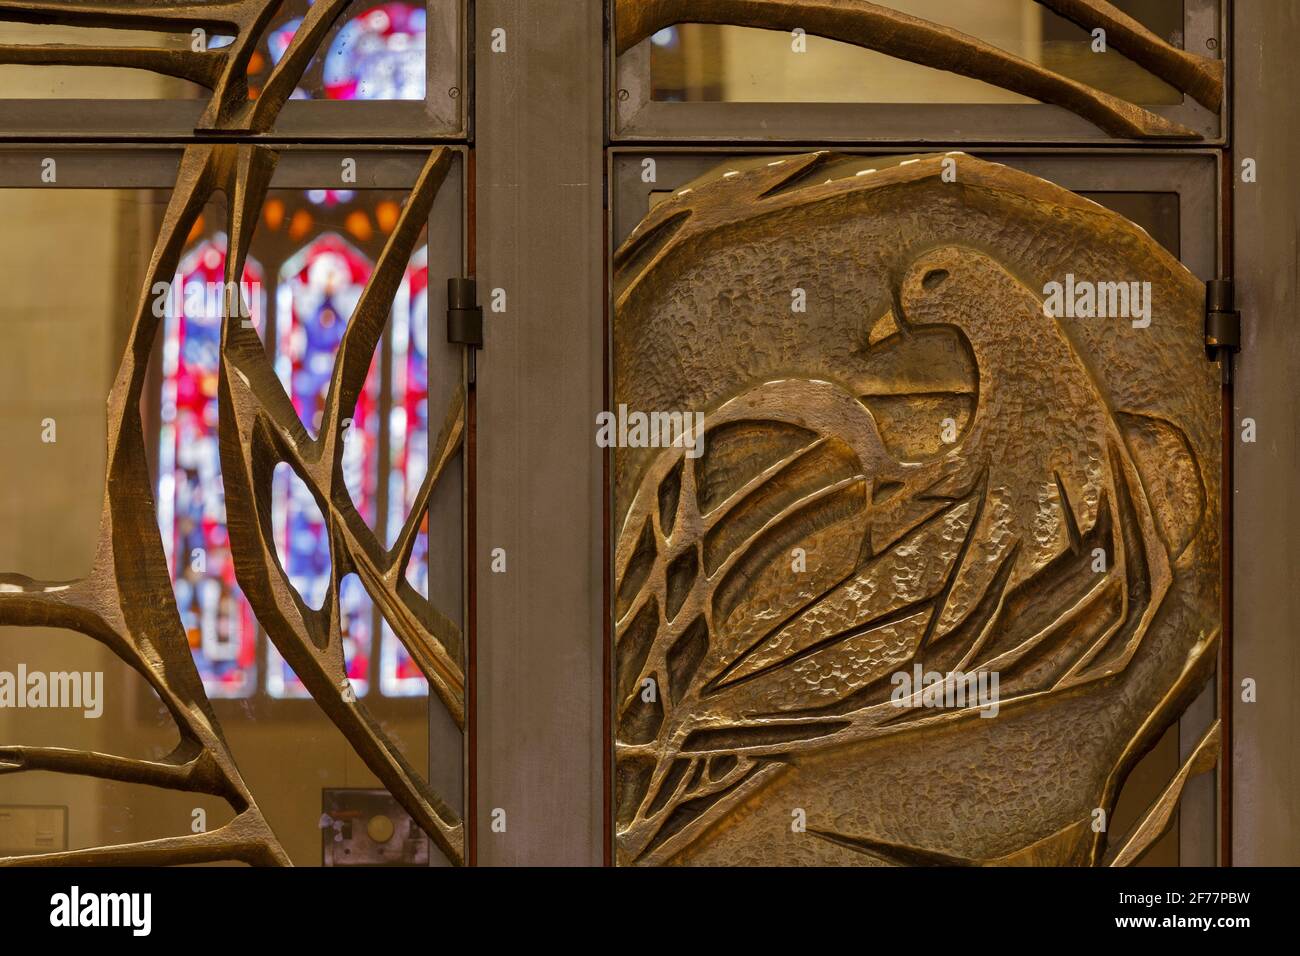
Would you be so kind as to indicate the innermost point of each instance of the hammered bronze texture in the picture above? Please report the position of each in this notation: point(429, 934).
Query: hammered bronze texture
point(906, 37)
point(925, 470)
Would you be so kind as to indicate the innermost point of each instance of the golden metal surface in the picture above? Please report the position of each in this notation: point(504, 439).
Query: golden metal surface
point(921, 469)
point(900, 35)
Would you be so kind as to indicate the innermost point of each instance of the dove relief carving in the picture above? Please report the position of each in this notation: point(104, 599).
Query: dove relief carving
point(923, 474)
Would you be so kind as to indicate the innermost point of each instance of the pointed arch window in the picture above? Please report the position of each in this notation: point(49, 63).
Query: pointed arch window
point(318, 289)
point(318, 248)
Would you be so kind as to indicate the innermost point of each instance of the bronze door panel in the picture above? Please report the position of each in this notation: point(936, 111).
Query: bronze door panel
point(906, 471)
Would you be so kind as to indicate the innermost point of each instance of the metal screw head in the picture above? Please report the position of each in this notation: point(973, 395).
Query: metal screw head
point(623, 95)
point(454, 92)
point(1212, 43)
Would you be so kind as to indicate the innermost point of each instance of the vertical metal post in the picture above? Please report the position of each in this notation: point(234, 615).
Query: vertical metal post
point(539, 133)
point(1266, 602)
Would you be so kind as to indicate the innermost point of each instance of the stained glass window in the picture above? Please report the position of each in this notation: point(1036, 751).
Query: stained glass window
point(408, 432)
point(318, 290)
point(278, 40)
point(191, 503)
point(319, 276)
point(377, 54)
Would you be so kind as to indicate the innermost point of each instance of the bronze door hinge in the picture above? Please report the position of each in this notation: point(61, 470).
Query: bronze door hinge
point(1222, 324)
point(464, 315)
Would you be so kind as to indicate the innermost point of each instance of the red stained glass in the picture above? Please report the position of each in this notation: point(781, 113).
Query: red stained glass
point(191, 500)
point(399, 676)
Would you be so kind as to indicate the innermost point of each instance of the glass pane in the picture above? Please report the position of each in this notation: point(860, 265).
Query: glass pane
point(320, 245)
point(90, 82)
point(704, 62)
point(376, 51)
point(408, 459)
point(73, 261)
point(191, 498)
point(376, 54)
point(319, 288)
point(74, 264)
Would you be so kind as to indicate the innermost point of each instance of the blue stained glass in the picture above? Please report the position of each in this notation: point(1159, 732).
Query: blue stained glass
point(378, 55)
point(319, 289)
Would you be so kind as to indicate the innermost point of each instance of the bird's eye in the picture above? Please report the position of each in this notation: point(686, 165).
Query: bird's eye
point(933, 278)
